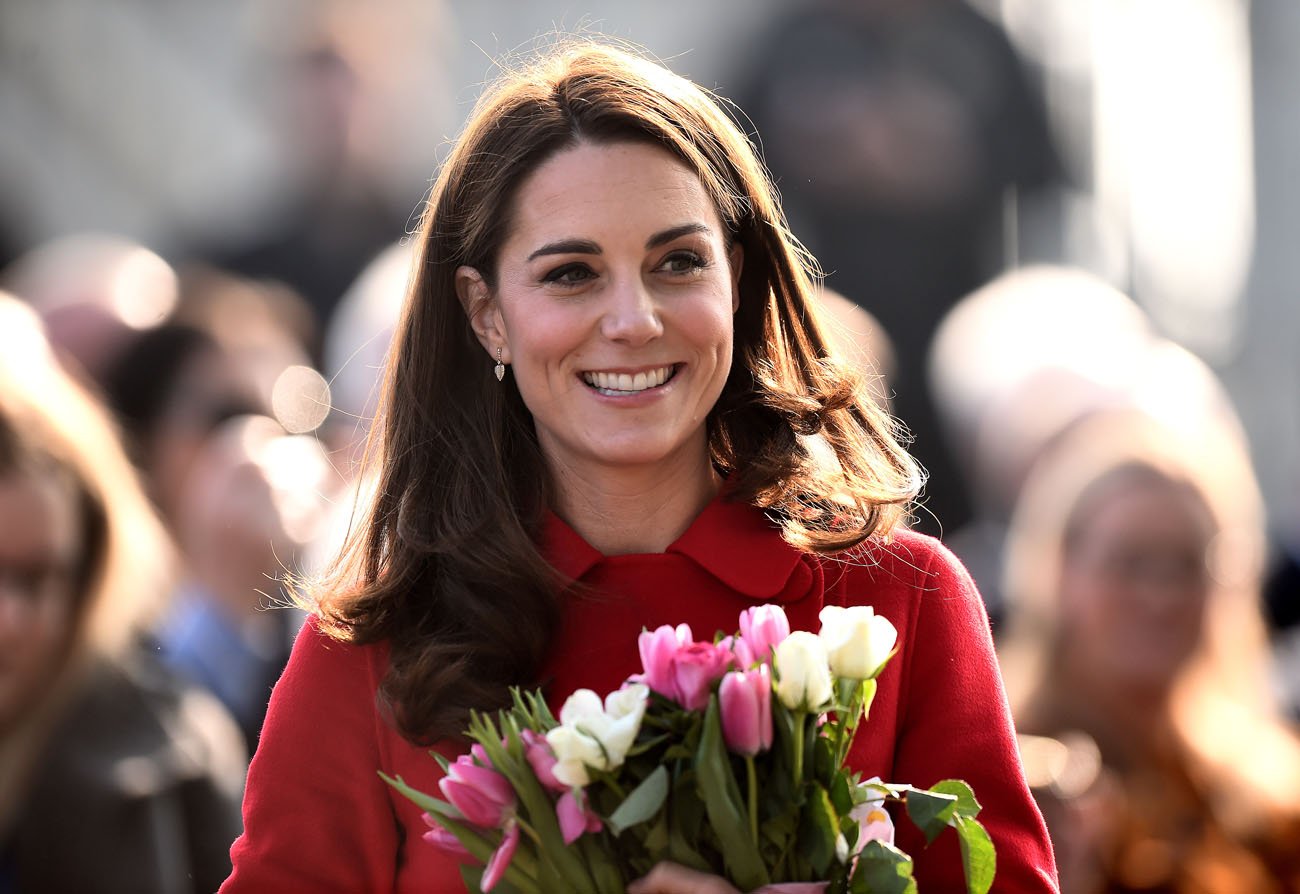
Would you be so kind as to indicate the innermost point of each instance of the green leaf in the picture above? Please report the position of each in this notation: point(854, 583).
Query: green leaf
point(818, 830)
point(931, 811)
point(967, 806)
point(883, 869)
point(841, 793)
point(978, 857)
point(427, 803)
point(602, 865)
point(642, 803)
point(721, 796)
point(473, 878)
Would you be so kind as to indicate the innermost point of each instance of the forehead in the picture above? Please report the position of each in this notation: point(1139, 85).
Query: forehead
point(1148, 507)
point(39, 516)
point(611, 189)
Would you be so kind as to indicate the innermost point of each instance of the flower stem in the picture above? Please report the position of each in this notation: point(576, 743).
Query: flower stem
point(753, 799)
point(799, 719)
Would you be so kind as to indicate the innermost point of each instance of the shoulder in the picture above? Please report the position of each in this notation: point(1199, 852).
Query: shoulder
point(913, 579)
point(907, 562)
point(322, 656)
point(135, 708)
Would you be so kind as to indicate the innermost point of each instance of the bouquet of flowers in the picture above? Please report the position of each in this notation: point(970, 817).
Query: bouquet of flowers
point(726, 756)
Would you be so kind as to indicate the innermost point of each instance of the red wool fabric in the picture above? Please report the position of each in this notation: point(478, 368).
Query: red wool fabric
point(317, 817)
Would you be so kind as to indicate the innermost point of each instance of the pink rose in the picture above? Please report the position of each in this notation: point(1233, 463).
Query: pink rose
point(696, 668)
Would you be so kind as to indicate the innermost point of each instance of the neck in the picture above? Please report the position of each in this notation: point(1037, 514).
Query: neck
point(621, 511)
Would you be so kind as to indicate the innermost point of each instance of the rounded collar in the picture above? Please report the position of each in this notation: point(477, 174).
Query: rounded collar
point(733, 541)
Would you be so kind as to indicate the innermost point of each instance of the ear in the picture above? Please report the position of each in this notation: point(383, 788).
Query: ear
point(482, 310)
point(736, 257)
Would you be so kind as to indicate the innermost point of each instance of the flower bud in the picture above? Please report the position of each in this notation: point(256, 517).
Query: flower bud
point(857, 640)
point(657, 651)
point(745, 705)
point(803, 676)
point(763, 627)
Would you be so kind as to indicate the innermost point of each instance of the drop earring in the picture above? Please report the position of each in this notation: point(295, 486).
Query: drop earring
point(500, 368)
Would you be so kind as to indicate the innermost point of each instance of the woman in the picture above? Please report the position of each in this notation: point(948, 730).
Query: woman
point(113, 776)
point(595, 420)
point(1134, 571)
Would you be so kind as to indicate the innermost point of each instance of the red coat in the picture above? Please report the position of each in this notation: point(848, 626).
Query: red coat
point(318, 818)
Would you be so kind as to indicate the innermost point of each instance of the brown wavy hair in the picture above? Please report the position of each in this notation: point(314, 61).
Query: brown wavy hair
point(445, 566)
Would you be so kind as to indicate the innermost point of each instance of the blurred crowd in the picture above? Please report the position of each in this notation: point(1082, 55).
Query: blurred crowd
point(181, 425)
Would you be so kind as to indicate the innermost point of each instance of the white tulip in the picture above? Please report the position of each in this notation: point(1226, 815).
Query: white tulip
point(857, 640)
point(596, 736)
point(804, 682)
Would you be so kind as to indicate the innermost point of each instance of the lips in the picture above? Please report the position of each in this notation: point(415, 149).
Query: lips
point(617, 383)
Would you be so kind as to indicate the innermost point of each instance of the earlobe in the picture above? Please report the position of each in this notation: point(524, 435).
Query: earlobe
point(476, 300)
point(736, 258)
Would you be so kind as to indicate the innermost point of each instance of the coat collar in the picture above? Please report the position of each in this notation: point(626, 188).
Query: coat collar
point(733, 541)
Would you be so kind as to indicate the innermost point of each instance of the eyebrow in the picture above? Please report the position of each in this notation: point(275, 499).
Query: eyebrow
point(587, 247)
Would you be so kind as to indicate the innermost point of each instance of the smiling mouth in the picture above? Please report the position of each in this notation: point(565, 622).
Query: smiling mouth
point(613, 384)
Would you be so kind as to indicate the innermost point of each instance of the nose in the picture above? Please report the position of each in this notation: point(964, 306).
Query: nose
point(631, 313)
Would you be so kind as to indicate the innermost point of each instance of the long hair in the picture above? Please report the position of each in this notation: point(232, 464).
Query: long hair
point(50, 426)
point(1221, 713)
point(445, 566)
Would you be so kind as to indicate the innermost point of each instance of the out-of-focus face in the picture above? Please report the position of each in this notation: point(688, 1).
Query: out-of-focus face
point(1134, 584)
point(40, 545)
point(209, 390)
point(614, 300)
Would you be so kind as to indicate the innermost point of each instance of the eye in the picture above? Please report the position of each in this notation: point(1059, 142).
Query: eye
point(683, 262)
point(569, 275)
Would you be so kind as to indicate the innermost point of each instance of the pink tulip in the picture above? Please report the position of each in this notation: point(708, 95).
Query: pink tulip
point(481, 794)
point(743, 655)
point(575, 815)
point(763, 627)
point(542, 759)
point(440, 838)
point(657, 652)
point(499, 862)
point(745, 703)
point(696, 667)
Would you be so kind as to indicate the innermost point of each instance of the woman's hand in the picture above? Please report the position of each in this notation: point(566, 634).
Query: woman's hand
point(670, 878)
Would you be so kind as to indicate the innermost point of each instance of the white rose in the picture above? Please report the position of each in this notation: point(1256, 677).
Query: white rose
point(804, 676)
point(857, 640)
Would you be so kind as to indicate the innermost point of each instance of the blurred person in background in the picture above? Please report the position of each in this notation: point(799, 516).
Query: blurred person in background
point(343, 80)
point(1133, 569)
point(240, 496)
point(93, 292)
point(114, 774)
point(896, 130)
point(1012, 366)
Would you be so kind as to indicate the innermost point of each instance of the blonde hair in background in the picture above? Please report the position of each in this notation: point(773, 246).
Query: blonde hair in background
point(129, 564)
point(1223, 709)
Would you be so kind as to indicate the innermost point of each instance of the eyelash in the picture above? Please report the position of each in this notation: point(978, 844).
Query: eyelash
point(557, 276)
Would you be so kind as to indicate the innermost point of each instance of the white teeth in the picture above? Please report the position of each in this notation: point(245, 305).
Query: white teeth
point(626, 383)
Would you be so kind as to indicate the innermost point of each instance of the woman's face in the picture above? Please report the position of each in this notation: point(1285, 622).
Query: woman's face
point(613, 307)
point(40, 545)
point(1135, 582)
